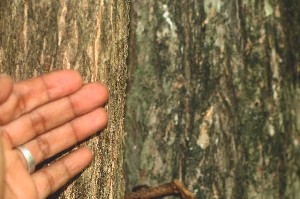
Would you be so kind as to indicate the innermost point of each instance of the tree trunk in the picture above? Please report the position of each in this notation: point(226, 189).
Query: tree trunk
point(214, 97)
point(86, 35)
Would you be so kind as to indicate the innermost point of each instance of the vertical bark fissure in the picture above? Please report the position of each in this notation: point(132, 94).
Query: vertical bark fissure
point(91, 37)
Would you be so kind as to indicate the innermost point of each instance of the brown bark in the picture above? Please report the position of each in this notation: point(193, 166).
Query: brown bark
point(89, 36)
point(214, 97)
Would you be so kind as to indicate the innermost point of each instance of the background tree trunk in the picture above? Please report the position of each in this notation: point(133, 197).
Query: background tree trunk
point(38, 36)
point(214, 97)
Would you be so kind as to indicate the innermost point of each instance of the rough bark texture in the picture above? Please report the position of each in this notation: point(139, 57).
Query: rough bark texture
point(37, 36)
point(214, 97)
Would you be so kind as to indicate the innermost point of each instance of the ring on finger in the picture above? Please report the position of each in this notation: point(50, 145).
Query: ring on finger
point(28, 158)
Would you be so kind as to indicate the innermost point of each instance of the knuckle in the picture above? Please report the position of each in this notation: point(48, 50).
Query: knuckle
point(38, 122)
point(50, 180)
point(44, 147)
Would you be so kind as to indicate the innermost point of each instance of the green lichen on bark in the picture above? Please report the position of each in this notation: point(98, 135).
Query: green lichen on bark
point(213, 97)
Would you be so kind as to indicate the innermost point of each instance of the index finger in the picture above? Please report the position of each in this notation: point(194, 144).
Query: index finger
point(35, 92)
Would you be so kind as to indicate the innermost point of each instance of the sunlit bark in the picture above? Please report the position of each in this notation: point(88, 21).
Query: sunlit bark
point(86, 35)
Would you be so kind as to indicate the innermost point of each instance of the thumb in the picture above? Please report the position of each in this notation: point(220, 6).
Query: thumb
point(2, 168)
point(6, 86)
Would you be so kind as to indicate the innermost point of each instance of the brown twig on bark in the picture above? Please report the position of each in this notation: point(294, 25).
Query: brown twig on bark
point(173, 188)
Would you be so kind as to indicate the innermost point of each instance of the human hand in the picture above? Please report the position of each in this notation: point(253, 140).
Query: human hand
point(47, 115)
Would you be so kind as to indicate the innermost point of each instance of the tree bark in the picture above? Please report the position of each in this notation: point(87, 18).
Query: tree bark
point(86, 35)
point(214, 97)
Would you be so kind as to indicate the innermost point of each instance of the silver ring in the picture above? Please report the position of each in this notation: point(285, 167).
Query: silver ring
point(28, 157)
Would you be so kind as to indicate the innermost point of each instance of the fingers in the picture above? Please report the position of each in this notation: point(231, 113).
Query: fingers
point(65, 136)
point(49, 114)
point(50, 179)
point(6, 86)
point(29, 94)
point(56, 113)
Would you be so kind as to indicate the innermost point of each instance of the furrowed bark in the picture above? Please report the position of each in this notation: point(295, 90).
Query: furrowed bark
point(213, 97)
point(89, 36)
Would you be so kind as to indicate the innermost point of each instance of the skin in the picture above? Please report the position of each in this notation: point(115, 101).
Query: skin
point(47, 115)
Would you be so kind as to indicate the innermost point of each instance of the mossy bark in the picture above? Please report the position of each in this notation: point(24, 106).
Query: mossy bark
point(214, 97)
point(86, 35)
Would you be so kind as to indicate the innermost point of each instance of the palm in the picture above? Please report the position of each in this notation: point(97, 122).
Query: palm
point(47, 115)
point(18, 184)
